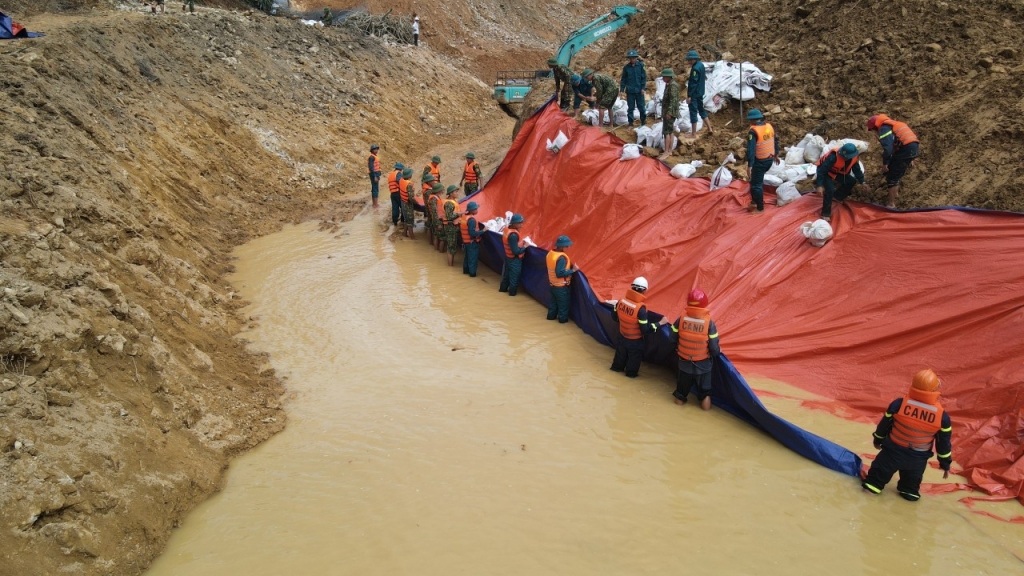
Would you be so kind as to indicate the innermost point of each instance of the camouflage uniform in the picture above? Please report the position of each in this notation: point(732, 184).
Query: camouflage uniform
point(430, 213)
point(410, 206)
point(670, 107)
point(563, 85)
point(607, 91)
point(471, 187)
point(451, 229)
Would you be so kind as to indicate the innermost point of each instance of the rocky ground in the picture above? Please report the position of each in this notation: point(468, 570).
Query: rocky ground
point(137, 151)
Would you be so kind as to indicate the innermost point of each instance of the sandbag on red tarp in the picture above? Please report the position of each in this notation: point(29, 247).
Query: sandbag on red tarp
point(893, 292)
point(9, 29)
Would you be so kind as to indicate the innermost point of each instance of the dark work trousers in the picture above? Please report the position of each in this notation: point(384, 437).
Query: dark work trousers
point(375, 185)
point(909, 463)
point(559, 306)
point(510, 276)
point(396, 208)
point(415, 39)
point(628, 356)
point(472, 258)
point(899, 163)
point(690, 374)
point(636, 100)
point(844, 183)
point(757, 172)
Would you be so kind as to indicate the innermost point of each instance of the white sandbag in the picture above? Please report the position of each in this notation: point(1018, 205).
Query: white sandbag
point(813, 145)
point(722, 176)
point(818, 232)
point(630, 152)
point(778, 168)
point(786, 193)
point(861, 145)
point(796, 173)
point(795, 155)
point(682, 122)
point(558, 143)
point(528, 242)
point(683, 170)
point(772, 180)
point(590, 116)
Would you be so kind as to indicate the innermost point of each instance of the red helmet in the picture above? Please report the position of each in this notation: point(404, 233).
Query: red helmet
point(873, 123)
point(697, 298)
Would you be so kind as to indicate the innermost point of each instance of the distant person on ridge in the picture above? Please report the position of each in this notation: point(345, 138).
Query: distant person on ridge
point(900, 147)
point(834, 170)
point(563, 83)
point(762, 153)
point(512, 241)
point(634, 82)
point(583, 91)
point(327, 18)
point(560, 271)
point(669, 110)
point(472, 233)
point(471, 174)
point(697, 347)
point(905, 435)
point(415, 30)
point(695, 84)
point(373, 165)
point(451, 224)
point(396, 197)
point(191, 4)
point(434, 167)
point(631, 315)
point(606, 91)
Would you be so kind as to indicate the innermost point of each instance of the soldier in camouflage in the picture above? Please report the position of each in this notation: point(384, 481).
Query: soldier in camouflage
point(606, 91)
point(451, 227)
point(670, 109)
point(563, 83)
point(410, 205)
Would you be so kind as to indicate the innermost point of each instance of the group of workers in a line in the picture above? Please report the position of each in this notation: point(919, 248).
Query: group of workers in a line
point(838, 173)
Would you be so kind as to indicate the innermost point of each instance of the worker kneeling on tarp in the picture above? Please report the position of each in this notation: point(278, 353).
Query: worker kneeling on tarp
point(631, 316)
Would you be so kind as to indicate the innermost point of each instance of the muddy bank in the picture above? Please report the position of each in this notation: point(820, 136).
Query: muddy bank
point(137, 151)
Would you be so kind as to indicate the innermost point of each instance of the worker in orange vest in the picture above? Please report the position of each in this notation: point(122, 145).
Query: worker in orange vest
point(631, 315)
point(471, 174)
point(407, 194)
point(905, 435)
point(697, 347)
point(900, 148)
point(434, 207)
point(451, 226)
point(837, 173)
point(373, 164)
point(515, 249)
point(560, 271)
point(762, 152)
point(433, 168)
point(396, 197)
point(428, 217)
point(472, 233)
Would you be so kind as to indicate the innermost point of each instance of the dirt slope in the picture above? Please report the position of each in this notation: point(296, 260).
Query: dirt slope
point(953, 71)
point(136, 152)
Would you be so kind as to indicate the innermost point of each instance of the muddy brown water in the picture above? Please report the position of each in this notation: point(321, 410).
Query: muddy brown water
point(438, 427)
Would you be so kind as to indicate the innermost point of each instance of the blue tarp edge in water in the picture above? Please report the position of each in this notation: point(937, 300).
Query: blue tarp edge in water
point(730, 390)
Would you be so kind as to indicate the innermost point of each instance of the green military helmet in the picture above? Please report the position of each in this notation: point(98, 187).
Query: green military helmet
point(517, 219)
point(470, 155)
point(632, 54)
point(407, 173)
point(587, 72)
point(472, 206)
point(563, 242)
point(848, 151)
point(552, 62)
point(692, 55)
point(754, 114)
point(437, 189)
point(436, 159)
point(668, 73)
point(451, 188)
point(374, 147)
point(428, 178)
point(399, 166)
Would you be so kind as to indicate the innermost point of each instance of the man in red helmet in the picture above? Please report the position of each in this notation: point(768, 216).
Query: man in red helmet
point(905, 435)
point(697, 346)
point(900, 147)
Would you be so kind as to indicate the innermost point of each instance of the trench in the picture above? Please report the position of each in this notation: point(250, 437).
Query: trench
point(439, 427)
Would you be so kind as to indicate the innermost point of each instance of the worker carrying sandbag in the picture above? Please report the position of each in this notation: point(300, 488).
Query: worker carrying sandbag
point(905, 435)
point(838, 172)
point(560, 271)
point(900, 147)
point(696, 338)
point(631, 315)
point(762, 152)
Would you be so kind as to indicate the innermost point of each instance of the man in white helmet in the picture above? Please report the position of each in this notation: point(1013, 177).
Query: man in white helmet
point(631, 316)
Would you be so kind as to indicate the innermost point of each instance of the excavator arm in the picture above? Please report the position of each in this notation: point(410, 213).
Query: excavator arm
point(618, 17)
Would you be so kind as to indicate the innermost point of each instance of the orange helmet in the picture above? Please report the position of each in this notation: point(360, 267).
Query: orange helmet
point(926, 380)
point(873, 123)
point(697, 298)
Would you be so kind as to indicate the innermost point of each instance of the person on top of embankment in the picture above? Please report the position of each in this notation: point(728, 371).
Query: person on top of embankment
point(762, 152)
point(433, 168)
point(900, 147)
point(512, 241)
point(697, 347)
point(407, 192)
point(426, 187)
point(560, 271)
point(436, 211)
point(669, 109)
point(451, 226)
point(633, 82)
point(563, 83)
point(631, 315)
point(396, 197)
point(834, 170)
point(373, 165)
point(471, 174)
point(583, 90)
point(905, 435)
point(472, 233)
point(695, 84)
point(605, 94)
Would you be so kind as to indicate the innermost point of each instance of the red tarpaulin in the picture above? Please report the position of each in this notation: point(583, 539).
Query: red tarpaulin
point(892, 293)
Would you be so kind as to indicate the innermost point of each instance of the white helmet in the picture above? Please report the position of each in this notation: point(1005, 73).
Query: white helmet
point(640, 284)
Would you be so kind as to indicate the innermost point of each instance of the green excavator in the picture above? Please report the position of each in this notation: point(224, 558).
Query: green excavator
point(511, 86)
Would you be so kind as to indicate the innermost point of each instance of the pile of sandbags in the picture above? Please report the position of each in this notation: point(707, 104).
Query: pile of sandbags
point(724, 81)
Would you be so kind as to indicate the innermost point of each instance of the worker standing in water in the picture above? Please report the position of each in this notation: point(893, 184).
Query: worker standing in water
point(434, 167)
point(840, 169)
point(560, 271)
point(471, 174)
point(396, 197)
point(900, 148)
point(905, 435)
point(697, 347)
point(631, 316)
point(695, 88)
point(436, 211)
point(563, 83)
point(429, 218)
point(451, 225)
point(762, 153)
point(632, 83)
point(407, 192)
point(373, 165)
point(472, 233)
point(512, 241)
point(669, 110)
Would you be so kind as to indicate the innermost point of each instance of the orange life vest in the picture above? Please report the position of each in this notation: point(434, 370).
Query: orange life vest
point(441, 212)
point(403, 189)
point(470, 173)
point(504, 241)
point(628, 311)
point(902, 133)
point(435, 170)
point(393, 179)
point(464, 227)
point(433, 203)
point(376, 162)
point(425, 190)
point(917, 422)
point(694, 329)
point(842, 167)
point(765, 141)
point(552, 260)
